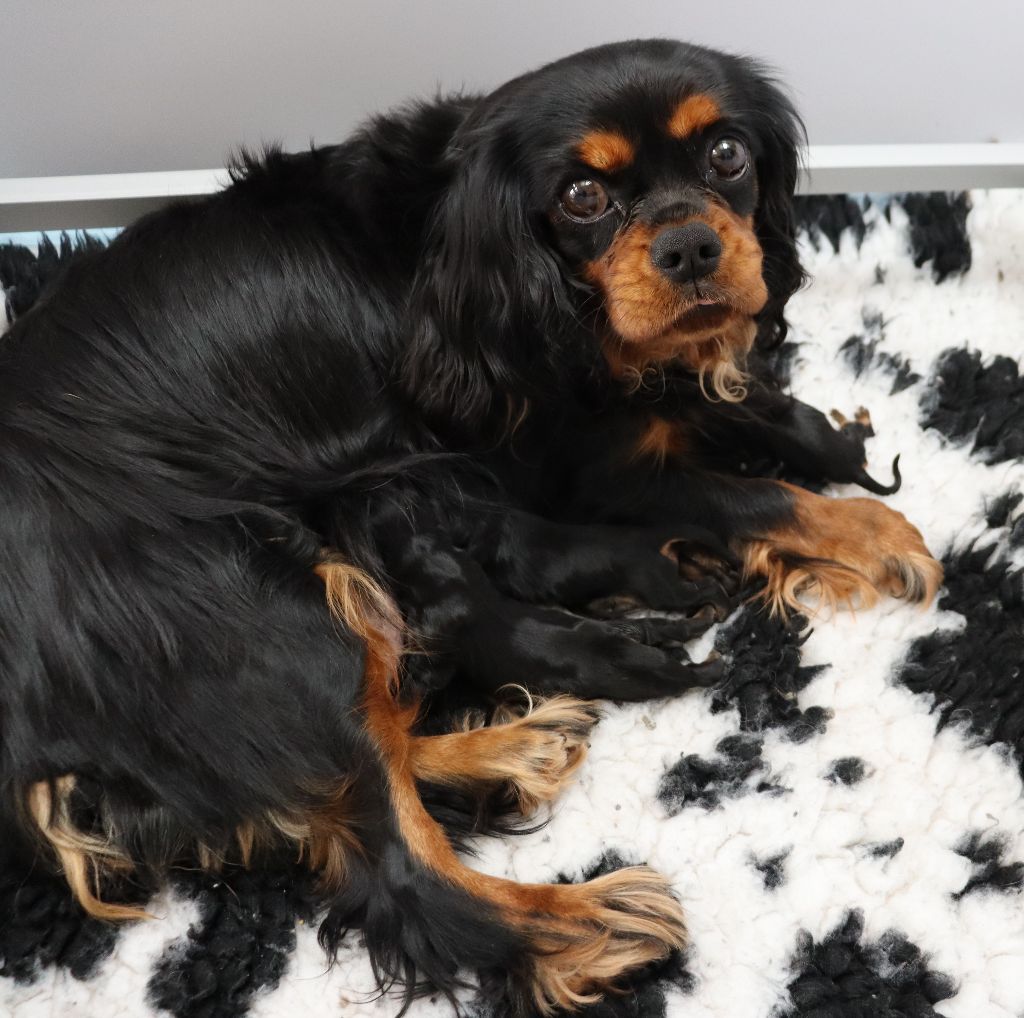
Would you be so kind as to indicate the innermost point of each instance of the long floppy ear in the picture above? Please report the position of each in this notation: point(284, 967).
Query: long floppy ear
point(490, 301)
point(782, 139)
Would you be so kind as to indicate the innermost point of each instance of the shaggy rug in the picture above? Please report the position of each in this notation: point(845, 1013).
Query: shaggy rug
point(843, 820)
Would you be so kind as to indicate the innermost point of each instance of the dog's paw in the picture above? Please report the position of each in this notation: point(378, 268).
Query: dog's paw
point(844, 553)
point(859, 428)
point(533, 747)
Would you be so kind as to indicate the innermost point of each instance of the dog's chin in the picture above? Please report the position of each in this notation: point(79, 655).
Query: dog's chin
point(694, 325)
point(710, 339)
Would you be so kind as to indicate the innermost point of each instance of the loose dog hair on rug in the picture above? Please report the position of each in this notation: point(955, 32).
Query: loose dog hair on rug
point(289, 470)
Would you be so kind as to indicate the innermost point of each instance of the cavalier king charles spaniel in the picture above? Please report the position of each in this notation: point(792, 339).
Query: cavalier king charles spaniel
point(414, 420)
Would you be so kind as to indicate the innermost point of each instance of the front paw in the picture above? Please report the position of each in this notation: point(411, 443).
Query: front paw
point(843, 552)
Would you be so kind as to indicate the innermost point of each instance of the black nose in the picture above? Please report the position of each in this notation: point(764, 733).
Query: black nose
point(687, 253)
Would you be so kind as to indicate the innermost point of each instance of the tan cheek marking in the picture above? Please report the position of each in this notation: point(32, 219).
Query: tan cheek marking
point(640, 302)
point(695, 113)
point(740, 271)
point(606, 151)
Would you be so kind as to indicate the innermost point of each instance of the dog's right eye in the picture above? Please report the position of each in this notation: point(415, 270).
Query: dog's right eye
point(584, 200)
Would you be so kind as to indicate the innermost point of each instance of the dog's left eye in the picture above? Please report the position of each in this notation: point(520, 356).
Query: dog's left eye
point(729, 158)
point(584, 200)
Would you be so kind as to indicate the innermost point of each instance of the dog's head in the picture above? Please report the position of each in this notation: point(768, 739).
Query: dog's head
point(634, 199)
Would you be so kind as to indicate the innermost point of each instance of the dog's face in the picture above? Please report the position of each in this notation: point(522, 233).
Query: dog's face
point(652, 155)
point(656, 210)
point(643, 189)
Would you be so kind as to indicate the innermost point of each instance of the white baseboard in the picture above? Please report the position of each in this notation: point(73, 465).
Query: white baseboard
point(856, 169)
point(114, 199)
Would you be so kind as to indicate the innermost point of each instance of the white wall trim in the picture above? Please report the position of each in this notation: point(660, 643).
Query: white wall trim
point(107, 200)
point(841, 169)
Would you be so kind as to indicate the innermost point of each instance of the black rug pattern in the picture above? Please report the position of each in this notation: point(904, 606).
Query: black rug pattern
point(843, 818)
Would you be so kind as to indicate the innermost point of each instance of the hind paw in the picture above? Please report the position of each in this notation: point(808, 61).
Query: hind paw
point(533, 750)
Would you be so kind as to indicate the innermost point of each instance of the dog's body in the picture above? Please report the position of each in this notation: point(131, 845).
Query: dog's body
point(239, 383)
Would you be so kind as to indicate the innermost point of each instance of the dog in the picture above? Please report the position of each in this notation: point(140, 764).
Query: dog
point(426, 410)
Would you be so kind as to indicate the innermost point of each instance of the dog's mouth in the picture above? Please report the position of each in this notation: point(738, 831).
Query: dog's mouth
point(707, 314)
point(709, 337)
point(706, 306)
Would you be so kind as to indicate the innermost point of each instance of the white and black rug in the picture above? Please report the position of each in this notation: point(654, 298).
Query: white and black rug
point(844, 822)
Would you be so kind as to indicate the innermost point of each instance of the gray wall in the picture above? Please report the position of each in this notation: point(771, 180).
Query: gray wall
point(98, 86)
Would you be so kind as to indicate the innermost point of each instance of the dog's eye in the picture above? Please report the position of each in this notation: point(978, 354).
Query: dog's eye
point(729, 158)
point(584, 200)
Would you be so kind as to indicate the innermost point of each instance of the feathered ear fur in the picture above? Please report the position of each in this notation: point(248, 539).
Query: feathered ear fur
point(782, 138)
point(490, 301)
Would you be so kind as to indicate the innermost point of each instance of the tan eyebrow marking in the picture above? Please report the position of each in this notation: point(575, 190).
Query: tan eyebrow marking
point(607, 151)
point(693, 114)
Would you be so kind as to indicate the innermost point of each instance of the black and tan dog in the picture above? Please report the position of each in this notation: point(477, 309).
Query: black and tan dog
point(492, 353)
